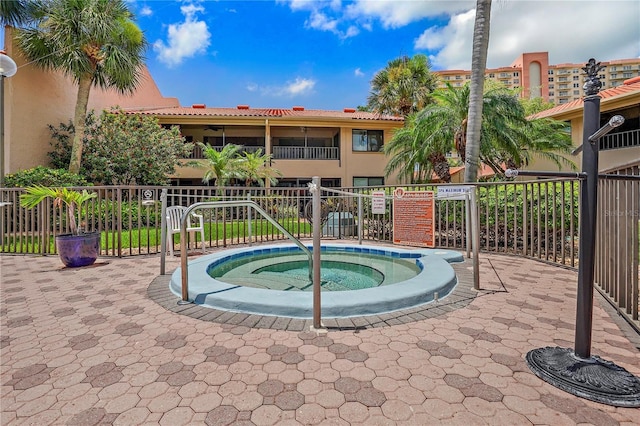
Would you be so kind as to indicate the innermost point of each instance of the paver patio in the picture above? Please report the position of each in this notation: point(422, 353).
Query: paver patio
point(95, 345)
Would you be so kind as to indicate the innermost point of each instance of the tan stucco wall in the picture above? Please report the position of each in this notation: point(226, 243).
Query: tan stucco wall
point(351, 164)
point(35, 98)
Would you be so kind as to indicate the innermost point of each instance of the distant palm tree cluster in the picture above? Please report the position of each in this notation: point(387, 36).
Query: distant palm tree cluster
point(230, 162)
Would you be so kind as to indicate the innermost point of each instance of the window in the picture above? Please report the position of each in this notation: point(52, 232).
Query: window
point(613, 69)
point(550, 79)
point(516, 81)
point(562, 86)
point(516, 74)
point(550, 72)
point(576, 85)
point(458, 77)
point(576, 78)
point(614, 75)
point(562, 79)
point(551, 94)
point(367, 140)
point(627, 74)
point(551, 86)
point(368, 181)
point(626, 68)
point(576, 92)
point(492, 75)
point(467, 77)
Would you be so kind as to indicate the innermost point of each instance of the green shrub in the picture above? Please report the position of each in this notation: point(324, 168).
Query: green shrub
point(43, 176)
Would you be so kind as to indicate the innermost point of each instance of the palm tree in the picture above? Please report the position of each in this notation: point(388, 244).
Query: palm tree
point(222, 165)
point(403, 87)
point(254, 168)
point(506, 137)
point(95, 42)
point(415, 154)
point(17, 12)
point(478, 67)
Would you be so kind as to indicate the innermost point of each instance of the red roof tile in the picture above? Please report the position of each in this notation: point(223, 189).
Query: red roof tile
point(265, 112)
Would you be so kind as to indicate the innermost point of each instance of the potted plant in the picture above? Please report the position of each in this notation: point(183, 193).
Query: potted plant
point(75, 249)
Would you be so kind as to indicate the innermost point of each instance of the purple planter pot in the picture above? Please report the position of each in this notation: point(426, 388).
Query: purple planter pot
point(78, 250)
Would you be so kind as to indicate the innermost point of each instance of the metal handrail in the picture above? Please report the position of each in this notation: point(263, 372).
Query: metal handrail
point(215, 204)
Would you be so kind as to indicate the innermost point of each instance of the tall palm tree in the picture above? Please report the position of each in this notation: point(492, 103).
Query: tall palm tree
point(254, 167)
point(95, 42)
point(403, 87)
point(222, 165)
point(478, 66)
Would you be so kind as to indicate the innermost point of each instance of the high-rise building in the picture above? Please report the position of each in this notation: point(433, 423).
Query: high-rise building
point(559, 84)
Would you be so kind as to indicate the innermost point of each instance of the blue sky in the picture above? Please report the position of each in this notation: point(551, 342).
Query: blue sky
point(323, 54)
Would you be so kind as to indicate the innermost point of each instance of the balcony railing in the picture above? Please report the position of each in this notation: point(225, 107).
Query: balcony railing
point(197, 154)
point(305, 153)
point(620, 140)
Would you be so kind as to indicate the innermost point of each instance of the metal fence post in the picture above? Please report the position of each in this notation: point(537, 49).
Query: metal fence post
point(317, 213)
point(163, 231)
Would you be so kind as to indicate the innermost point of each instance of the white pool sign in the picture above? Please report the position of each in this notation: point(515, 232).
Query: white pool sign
point(378, 203)
point(454, 192)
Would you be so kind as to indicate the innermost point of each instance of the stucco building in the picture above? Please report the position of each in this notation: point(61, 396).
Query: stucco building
point(618, 149)
point(560, 83)
point(342, 147)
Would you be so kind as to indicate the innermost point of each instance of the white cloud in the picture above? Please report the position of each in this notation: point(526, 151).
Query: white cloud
point(451, 44)
point(145, 11)
point(297, 87)
point(358, 73)
point(320, 21)
point(398, 13)
point(570, 30)
point(185, 39)
point(565, 29)
point(300, 86)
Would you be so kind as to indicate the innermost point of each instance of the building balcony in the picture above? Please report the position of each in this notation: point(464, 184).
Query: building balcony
point(305, 153)
point(626, 139)
point(197, 154)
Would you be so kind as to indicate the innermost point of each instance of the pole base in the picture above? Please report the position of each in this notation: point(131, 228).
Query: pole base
point(592, 378)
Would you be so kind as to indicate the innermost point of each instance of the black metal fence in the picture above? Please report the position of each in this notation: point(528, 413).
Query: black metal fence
point(537, 219)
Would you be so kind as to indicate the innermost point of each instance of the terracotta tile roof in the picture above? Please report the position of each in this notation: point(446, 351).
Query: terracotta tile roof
point(630, 86)
point(245, 111)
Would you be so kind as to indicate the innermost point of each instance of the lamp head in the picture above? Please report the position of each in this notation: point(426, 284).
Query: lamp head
point(8, 66)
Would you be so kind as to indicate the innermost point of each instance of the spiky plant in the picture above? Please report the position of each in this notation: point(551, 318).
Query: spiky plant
point(73, 199)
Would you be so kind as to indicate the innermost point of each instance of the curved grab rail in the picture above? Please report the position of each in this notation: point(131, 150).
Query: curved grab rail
point(214, 204)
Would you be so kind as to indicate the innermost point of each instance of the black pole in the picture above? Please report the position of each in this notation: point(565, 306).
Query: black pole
point(588, 211)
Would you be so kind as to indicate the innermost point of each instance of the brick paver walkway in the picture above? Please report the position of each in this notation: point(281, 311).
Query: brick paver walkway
point(90, 346)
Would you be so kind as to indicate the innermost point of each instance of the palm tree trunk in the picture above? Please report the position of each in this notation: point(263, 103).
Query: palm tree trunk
point(478, 67)
point(79, 119)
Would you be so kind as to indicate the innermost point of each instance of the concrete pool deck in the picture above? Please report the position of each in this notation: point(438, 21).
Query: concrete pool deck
point(95, 345)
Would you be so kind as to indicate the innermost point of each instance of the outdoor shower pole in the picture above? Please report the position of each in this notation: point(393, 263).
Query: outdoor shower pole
point(317, 229)
point(588, 211)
